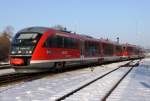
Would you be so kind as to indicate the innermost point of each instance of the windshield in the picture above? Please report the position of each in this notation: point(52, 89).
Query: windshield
point(27, 36)
point(26, 39)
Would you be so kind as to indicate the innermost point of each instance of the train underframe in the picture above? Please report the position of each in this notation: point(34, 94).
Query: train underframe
point(51, 65)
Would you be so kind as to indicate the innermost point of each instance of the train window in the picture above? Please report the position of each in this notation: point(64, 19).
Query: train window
point(27, 36)
point(136, 51)
point(54, 42)
point(107, 49)
point(26, 39)
point(124, 48)
point(70, 43)
point(130, 49)
point(118, 49)
point(92, 48)
point(60, 42)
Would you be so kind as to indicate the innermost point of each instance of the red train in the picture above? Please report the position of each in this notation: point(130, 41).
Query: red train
point(38, 49)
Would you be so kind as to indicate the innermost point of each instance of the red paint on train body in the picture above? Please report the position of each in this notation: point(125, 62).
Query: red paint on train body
point(40, 47)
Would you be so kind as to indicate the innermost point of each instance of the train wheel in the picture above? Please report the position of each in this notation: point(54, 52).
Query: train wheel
point(100, 61)
point(59, 66)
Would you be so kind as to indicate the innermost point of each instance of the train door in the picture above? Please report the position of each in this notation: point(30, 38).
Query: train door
point(81, 50)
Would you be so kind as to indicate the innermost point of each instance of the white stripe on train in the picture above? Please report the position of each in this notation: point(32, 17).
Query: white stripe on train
point(75, 59)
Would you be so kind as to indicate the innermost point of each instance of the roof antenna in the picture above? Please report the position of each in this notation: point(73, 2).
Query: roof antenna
point(118, 40)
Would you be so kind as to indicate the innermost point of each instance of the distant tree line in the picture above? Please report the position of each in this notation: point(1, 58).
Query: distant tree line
point(5, 42)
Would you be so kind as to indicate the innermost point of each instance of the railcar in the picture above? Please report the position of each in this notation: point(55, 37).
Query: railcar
point(132, 51)
point(37, 49)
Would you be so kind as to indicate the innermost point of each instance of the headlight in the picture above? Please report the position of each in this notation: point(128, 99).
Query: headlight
point(30, 52)
point(19, 51)
point(13, 52)
point(26, 52)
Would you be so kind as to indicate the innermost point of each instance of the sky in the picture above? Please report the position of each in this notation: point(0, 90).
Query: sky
point(127, 19)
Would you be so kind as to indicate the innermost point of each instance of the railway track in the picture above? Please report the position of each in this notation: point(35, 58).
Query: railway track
point(9, 77)
point(73, 92)
point(115, 86)
point(15, 77)
point(5, 67)
point(18, 77)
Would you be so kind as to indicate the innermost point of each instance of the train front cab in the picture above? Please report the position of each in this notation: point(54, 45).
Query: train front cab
point(23, 47)
point(59, 50)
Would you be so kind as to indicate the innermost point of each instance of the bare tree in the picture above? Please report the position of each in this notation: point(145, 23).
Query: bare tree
point(8, 31)
point(5, 37)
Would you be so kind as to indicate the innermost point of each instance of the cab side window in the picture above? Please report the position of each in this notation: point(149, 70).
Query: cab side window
point(92, 48)
point(54, 42)
point(70, 43)
point(61, 42)
point(108, 49)
point(118, 49)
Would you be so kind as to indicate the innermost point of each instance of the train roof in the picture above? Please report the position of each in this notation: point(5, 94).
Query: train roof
point(34, 29)
point(66, 33)
point(73, 35)
point(130, 45)
point(61, 32)
point(85, 37)
point(134, 46)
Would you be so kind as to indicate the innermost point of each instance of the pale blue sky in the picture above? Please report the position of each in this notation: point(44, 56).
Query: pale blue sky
point(127, 19)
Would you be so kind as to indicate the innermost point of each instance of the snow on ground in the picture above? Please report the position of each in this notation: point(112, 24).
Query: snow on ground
point(97, 90)
point(6, 71)
point(51, 87)
point(4, 63)
point(136, 86)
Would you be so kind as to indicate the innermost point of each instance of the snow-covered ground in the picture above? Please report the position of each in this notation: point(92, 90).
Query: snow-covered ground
point(147, 54)
point(4, 63)
point(6, 71)
point(97, 90)
point(136, 86)
point(49, 88)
